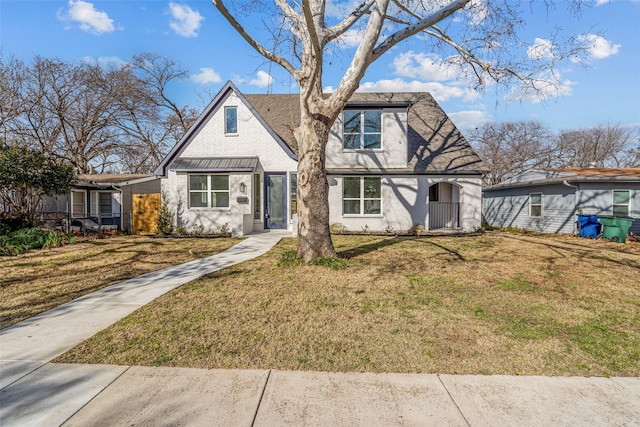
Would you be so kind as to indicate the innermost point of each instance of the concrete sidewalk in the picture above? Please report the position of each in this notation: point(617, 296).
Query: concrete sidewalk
point(30, 344)
point(104, 395)
point(34, 392)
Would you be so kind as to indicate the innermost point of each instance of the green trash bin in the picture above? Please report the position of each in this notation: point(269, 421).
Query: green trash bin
point(615, 229)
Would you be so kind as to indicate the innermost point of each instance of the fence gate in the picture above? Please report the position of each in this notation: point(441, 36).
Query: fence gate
point(146, 208)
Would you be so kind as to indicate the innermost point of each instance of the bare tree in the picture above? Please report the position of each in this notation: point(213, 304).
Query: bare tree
point(109, 118)
point(601, 146)
point(511, 148)
point(487, 48)
point(151, 122)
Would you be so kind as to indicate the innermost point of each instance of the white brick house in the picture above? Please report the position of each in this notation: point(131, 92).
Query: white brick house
point(394, 160)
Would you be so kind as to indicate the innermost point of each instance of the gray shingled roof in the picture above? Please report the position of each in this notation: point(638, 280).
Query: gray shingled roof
point(215, 164)
point(435, 144)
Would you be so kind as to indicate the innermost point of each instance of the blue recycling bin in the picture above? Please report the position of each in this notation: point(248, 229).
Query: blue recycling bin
point(589, 226)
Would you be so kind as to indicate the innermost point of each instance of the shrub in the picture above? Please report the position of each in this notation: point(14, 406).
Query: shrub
point(21, 241)
point(164, 223)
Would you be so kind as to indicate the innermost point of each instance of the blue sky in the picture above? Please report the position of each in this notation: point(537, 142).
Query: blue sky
point(192, 32)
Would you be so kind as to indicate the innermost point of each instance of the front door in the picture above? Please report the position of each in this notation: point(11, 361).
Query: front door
point(275, 209)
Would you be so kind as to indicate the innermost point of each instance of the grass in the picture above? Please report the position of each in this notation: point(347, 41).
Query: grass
point(498, 303)
point(41, 280)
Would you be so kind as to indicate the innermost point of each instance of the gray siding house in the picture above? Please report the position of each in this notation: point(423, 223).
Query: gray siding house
point(99, 201)
point(547, 200)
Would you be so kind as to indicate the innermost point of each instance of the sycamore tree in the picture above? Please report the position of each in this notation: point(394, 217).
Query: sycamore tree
point(480, 37)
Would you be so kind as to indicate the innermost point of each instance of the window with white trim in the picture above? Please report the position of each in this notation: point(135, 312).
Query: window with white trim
point(231, 120)
point(208, 191)
point(621, 199)
point(535, 204)
point(361, 129)
point(361, 195)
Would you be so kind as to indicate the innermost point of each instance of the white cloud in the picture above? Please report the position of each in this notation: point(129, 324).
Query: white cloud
point(105, 61)
point(475, 13)
point(185, 21)
point(206, 76)
point(469, 120)
point(339, 9)
point(424, 67)
point(262, 79)
point(550, 85)
point(601, 2)
point(598, 47)
point(351, 38)
point(541, 49)
point(439, 91)
point(87, 17)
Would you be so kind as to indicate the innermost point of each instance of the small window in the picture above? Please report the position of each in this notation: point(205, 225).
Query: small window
point(231, 120)
point(621, 200)
point(362, 130)
point(208, 191)
point(362, 196)
point(293, 193)
point(535, 205)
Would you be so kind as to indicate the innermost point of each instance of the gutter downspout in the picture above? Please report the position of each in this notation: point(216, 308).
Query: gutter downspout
point(575, 195)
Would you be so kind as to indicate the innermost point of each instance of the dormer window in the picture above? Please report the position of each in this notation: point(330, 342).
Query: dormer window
point(231, 120)
point(362, 129)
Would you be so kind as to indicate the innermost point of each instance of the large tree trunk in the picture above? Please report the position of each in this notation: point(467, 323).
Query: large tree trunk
point(314, 238)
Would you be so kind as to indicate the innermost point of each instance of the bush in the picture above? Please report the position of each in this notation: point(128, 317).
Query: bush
point(164, 223)
point(21, 241)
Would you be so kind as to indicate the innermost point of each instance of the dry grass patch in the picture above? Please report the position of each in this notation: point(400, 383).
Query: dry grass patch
point(41, 280)
point(491, 304)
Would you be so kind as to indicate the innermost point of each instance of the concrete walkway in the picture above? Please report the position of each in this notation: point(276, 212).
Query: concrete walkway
point(34, 392)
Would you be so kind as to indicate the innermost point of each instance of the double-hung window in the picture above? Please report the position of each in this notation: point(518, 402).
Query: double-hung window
point(535, 204)
point(362, 129)
point(362, 196)
point(621, 200)
point(230, 120)
point(208, 191)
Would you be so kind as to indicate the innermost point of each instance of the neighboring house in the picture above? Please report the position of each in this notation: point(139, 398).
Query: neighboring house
point(393, 160)
point(101, 201)
point(547, 200)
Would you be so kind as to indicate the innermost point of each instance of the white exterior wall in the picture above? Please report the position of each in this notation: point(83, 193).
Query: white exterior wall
point(393, 153)
point(405, 203)
point(252, 140)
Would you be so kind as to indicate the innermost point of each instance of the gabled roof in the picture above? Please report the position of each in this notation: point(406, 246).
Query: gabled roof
point(435, 145)
point(552, 176)
point(203, 119)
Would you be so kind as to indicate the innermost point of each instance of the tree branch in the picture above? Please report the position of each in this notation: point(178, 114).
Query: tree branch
point(342, 27)
point(419, 26)
point(252, 42)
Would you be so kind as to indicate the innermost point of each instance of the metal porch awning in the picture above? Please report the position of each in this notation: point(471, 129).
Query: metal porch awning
point(215, 164)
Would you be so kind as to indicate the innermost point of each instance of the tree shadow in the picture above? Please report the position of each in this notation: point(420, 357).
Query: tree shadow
point(370, 247)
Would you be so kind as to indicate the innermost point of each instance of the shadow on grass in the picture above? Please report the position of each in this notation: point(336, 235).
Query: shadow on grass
point(595, 253)
point(369, 247)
